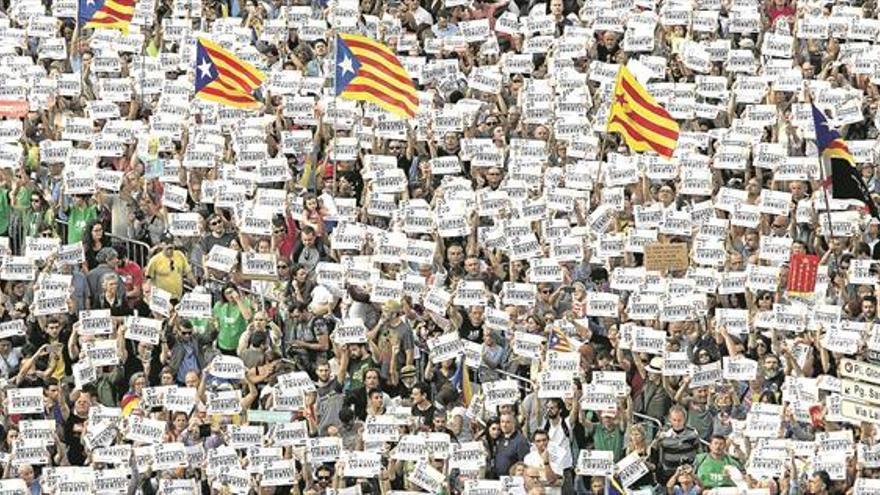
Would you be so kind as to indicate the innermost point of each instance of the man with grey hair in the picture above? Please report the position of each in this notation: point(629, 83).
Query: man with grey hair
point(107, 260)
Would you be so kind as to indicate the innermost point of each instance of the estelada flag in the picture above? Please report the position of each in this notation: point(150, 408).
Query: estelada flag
point(224, 78)
point(802, 274)
point(846, 179)
point(367, 70)
point(105, 14)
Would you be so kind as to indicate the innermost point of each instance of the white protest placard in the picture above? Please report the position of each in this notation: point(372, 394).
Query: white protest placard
point(427, 478)
point(18, 268)
point(103, 352)
point(259, 266)
point(359, 464)
point(500, 392)
point(12, 328)
point(323, 449)
point(739, 368)
point(224, 402)
point(160, 301)
point(181, 399)
point(598, 398)
point(222, 258)
point(168, 456)
point(445, 347)
point(294, 433)
point(24, 401)
point(194, 305)
point(467, 455)
point(382, 428)
point(706, 375)
point(555, 385)
point(630, 469)
point(145, 430)
point(350, 331)
point(528, 345)
point(227, 367)
point(141, 329)
point(411, 448)
point(595, 463)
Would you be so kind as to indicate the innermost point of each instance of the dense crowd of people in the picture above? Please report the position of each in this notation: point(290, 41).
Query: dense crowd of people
point(495, 297)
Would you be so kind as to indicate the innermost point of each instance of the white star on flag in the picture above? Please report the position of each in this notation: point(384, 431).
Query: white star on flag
point(205, 67)
point(346, 66)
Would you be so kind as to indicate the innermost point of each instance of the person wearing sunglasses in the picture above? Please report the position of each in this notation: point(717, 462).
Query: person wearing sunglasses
point(216, 236)
point(168, 267)
point(323, 479)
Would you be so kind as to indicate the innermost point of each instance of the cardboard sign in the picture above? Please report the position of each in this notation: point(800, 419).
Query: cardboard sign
point(672, 256)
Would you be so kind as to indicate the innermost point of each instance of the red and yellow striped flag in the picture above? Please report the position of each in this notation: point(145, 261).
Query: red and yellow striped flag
point(224, 78)
point(637, 117)
point(105, 14)
point(369, 71)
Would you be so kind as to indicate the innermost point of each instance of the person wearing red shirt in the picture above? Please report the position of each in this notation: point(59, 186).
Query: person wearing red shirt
point(132, 276)
point(780, 8)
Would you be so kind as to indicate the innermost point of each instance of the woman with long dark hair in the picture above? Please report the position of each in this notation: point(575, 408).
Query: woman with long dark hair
point(490, 436)
point(94, 239)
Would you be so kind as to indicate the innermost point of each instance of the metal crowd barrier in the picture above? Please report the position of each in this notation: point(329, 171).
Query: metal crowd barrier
point(136, 251)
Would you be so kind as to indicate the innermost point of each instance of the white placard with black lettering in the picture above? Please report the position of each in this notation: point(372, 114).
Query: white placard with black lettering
point(595, 463)
point(18, 268)
point(184, 224)
point(359, 464)
point(12, 328)
point(259, 266)
point(194, 305)
point(427, 478)
point(630, 469)
point(323, 449)
point(500, 392)
point(222, 258)
point(350, 331)
point(24, 401)
point(103, 352)
point(445, 347)
point(528, 345)
point(145, 430)
point(141, 329)
point(181, 399)
point(160, 301)
point(227, 367)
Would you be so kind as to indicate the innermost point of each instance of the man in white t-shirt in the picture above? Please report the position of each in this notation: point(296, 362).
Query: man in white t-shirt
point(540, 458)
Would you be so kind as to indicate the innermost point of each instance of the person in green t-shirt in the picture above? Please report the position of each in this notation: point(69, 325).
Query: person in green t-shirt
point(78, 215)
point(607, 434)
point(231, 317)
point(711, 467)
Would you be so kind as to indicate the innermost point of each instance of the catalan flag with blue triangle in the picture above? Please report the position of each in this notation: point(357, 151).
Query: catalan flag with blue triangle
point(846, 179)
point(558, 341)
point(224, 78)
point(367, 70)
point(105, 14)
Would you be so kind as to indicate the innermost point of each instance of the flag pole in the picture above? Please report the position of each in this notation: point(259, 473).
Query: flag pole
point(809, 97)
point(335, 96)
point(827, 201)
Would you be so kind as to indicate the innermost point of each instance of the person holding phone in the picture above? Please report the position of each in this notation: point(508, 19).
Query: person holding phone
point(683, 482)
